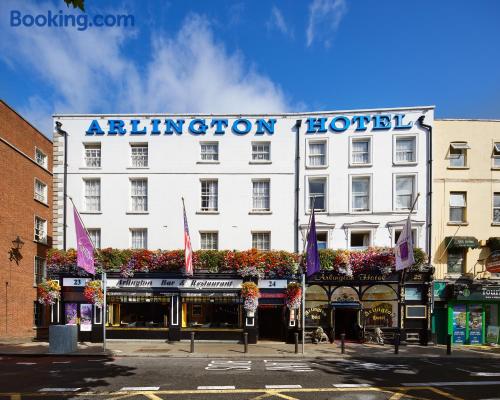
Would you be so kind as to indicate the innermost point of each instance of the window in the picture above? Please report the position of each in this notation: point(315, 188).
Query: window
point(209, 151)
point(405, 192)
point(397, 233)
point(405, 150)
point(209, 195)
point(456, 260)
point(457, 206)
point(39, 270)
point(458, 154)
point(496, 155)
point(261, 240)
point(360, 151)
point(317, 153)
point(317, 194)
point(360, 193)
point(139, 155)
point(322, 239)
point(260, 195)
point(37, 314)
point(92, 195)
point(261, 151)
point(40, 230)
point(496, 207)
point(93, 155)
point(40, 158)
point(360, 240)
point(139, 195)
point(40, 191)
point(209, 240)
point(95, 237)
point(139, 238)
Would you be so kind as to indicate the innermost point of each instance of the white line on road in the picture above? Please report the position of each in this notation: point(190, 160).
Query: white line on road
point(26, 363)
point(216, 387)
point(351, 385)
point(61, 362)
point(433, 363)
point(60, 389)
point(139, 388)
point(283, 386)
point(99, 360)
point(485, 373)
point(474, 383)
point(463, 370)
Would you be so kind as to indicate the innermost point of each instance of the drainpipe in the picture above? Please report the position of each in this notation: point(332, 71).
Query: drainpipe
point(298, 124)
point(62, 132)
point(428, 128)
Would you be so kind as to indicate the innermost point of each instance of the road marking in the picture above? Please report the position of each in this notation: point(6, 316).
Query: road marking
point(61, 362)
point(283, 386)
point(139, 388)
point(463, 370)
point(485, 373)
point(225, 365)
point(152, 396)
point(351, 385)
point(474, 383)
point(433, 363)
point(60, 389)
point(289, 366)
point(99, 360)
point(216, 387)
point(25, 363)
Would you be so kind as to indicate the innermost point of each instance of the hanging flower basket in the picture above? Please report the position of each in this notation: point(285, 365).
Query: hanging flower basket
point(250, 293)
point(93, 293)
point(48, 292)
point(293, 295)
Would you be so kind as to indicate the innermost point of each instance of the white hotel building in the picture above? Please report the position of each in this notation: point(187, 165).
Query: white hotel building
point(240, 188)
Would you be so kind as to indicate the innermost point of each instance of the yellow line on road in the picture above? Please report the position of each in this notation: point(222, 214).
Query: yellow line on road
point(445, 394)
point(152, 396)
point(15, 396)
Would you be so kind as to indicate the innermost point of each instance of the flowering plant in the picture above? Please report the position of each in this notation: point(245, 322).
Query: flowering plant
point(293, 295)
point(250, 293)
point(48, 292)
point(93, 293)
point(251, 272)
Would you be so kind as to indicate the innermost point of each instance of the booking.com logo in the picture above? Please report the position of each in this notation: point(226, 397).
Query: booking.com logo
point(60, 20)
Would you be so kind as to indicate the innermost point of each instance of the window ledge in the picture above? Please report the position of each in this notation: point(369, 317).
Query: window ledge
point(361, 212)
point(257, 212)
point(402, 211)
point(495, 168)
point(449, 167)
point(316, 166)
point(325, 212)
point(44, 242)
point(136, 212)
point(137, 168)
point(457, 223)
point(41, 202)
point(360, 165)
point(405, 164)
point(91, 212)
point(87, 168)
point(265, 162)
point(207, 162)
point(208, 212)
point(495, 224)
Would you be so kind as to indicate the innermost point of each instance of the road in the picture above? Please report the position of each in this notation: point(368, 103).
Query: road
point(191, 378)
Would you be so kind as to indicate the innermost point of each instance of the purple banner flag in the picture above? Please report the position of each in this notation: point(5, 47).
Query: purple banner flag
point(84, 246)
point(312, 255)
point(404, 248)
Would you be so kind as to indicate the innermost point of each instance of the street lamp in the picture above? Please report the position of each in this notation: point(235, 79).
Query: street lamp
point(62, 132)
point(15, 251)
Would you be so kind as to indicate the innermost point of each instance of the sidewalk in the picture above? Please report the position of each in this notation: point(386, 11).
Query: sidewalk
point(159, 348)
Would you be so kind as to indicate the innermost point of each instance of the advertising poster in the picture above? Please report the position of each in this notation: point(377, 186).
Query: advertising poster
point(459, 321)
point(70, 313)
point(85, 317)
point(476, 324)
point(492, 334)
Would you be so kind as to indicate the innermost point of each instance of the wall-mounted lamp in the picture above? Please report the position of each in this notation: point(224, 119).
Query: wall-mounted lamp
point(15, 251)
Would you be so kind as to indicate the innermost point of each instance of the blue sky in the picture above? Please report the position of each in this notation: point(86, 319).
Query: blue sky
point(257, 56)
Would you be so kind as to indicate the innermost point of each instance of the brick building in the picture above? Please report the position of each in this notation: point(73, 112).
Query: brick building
point(25, 216)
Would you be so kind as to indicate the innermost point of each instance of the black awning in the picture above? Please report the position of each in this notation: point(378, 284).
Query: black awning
point(461, 242)
point(493, 243)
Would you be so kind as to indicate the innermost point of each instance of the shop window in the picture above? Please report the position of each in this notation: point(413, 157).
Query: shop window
point(416, 312)
point(261, 151)
point(492, 324)
point(316, 307)
point(261, 195)
point(496, 155)
point(92, 195)
point(209, 195)
point(209, 240)
point(92, 155)
point(95, 237)
point(209, 151)
point(404, 193)
point(359, 240)
point(208, 312)
point(139, 155)
point(380, 306)
point(405, 150)
point(139, 195)
point(413, 293)
point(457, 206)
point(322, 239)
point(456, 258)
point(361, 151)
point(140, 312)
point(317, 194)
point(475, 324)
point(317, 153)
point(360, 193)
point(458, 154)
point(496, 208)
point(261, 240)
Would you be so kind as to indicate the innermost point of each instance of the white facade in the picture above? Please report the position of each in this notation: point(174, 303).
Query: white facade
point(108, 179)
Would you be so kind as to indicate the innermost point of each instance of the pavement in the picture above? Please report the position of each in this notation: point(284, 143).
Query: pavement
point(160, 348)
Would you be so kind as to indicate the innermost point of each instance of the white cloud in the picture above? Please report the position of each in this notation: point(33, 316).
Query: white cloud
point(324, 20)
point(277, 21)
point(91, 71)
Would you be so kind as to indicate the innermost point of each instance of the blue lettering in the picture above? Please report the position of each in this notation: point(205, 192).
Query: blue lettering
point(399, 122)
point(135, 130)
point(382, 122)
point(155, 123)
point(361, 120)
point(176, 126)
point(202, 127)
point(346, 123)
point(116, 126)
point(316, 125)
point(15, 18)
point(262, 125)
point(219, 124)
point(94, 128)
point(236, 128)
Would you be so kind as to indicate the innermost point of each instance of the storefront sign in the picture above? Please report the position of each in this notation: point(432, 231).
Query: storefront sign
point(328, 276)
point(75, 282)
point(493, 263)
point(380, 314)
point(459, 321)
point(197, 284)
point(477, 292)
point(491, 292)
point(272, 283)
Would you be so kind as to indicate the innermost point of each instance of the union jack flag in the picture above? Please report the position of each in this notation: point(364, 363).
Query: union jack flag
point(188, 249)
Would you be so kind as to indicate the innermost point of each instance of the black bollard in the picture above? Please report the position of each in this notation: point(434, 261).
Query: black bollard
point(396, 343)
point(342, 343)
point(245, 342)
point(296, 339)
point(192, 343)
point(448, 345)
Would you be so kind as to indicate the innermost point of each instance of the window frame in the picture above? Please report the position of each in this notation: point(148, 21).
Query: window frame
point(308, 178)
point(268, 233)
point(44, 270)
point(394, 191)
point(257, 161)
point(132, 196)
point(85, 202)
point(132, 230)
point(414, 230)
point(352, 140)
point(45, 163)
point(42, 240)
point(323, 141)
point(137, 157)
point(495, 155)
point(261, 210)
point(209, 143)
point(464, 214)
point(209, 209)
point(360, 230)
point(394, 149)
point(96, 245)
point(370, 194)
point(463, 147)
point(216, 233)
point(493, 209)
point(45, 192)
point(327, 241)
point(85, 158)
